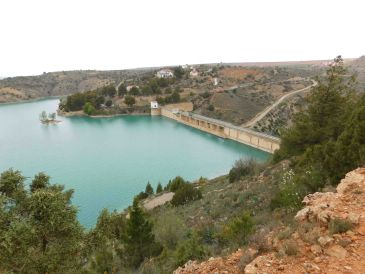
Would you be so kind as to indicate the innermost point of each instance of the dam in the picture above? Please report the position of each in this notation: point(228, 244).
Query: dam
point(219, 128)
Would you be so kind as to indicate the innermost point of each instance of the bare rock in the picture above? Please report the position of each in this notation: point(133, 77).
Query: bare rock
point(325, 240)
point(336, 251)
point(316, 249)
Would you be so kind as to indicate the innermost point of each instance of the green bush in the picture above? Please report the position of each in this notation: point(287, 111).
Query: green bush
point(89, 109)
point(175, 184)
point(338, 225)
point(290, 193)
point(141, 196)
point(239, 229)
point(185, 194)
point(189, 250)
point(243, 167)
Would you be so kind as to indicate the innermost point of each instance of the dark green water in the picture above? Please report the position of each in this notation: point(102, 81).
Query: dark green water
point(109, 160)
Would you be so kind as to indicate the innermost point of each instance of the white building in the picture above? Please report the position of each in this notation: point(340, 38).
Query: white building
point(215, 81)
point(194, 73)
point(164, 73)
point(154, 105)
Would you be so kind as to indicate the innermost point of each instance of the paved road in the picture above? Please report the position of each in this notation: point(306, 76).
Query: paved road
point(262, 114)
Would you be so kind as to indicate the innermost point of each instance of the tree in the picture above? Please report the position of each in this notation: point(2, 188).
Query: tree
point(109, 90)
point(175, 184)
point(179, 72)
point(43, 116)
point(12, 184)
point(159, 188)
point(41, 180)
point(122, 89)
point(139, 241)
point(185, 194)
point(129, 100)
point(52, 116)
point(39, 230)
point(149, 189)
point(89, 109)
point(324, 118)
point(134, 91)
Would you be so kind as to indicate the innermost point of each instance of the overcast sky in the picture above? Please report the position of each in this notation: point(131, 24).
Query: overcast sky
point(41, 36)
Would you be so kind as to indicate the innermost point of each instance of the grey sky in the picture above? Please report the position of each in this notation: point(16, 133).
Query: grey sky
point(43, 35)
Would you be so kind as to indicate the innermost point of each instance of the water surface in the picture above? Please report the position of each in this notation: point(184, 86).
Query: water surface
point(109, 160)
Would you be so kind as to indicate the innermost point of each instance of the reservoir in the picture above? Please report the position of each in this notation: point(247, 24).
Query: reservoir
point(109, 160)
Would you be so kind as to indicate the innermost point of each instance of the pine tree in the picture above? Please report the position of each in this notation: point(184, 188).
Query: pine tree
point(139, 241)
point(149, 189)
point(325, 116)
point(159, 188)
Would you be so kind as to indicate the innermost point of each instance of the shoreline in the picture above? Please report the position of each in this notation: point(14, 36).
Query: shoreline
point(82, 114)
point(32, 100)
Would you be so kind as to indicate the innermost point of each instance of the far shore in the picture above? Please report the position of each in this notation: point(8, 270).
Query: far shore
point(80, 113)
point(32, 100)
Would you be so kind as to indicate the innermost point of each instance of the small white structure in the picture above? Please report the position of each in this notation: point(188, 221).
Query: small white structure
point(215, 81)
point(164, 73)
point(154, 105)
point(194, 73)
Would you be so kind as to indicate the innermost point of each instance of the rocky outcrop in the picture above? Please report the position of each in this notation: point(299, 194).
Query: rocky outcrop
point(329, 238)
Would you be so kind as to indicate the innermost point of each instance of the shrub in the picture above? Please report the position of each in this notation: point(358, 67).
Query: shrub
point(338, 225)
point(239, 229)
point(290, 248)
point(185, 194)
point(246, 258)
point(189, 250)
point(175, 184)
point(89, 109)
point(169, 229)
point(129, 100)
point(290, 193)
point(211, 108)
point(243, 167)
point(141, 196)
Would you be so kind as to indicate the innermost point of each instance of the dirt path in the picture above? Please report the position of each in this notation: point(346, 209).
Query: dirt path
point(262, 114)
point(159, 200)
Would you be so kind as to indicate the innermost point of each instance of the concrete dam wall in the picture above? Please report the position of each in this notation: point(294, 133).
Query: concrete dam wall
point(222, 129)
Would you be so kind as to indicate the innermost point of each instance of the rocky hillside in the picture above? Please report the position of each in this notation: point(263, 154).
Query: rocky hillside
point(329, 237)
point(14, 89)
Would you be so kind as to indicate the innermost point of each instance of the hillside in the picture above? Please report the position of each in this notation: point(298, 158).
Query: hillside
point(14, 89)
point(329, 238)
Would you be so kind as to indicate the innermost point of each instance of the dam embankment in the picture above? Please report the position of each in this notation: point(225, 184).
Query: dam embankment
point(222, 129)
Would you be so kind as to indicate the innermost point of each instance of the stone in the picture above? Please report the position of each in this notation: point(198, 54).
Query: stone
point(354, 218)
point(317, 259)
point(361, 230)
point(302, 214)
point(350, 233)
point(347, 267)
point(316, 249)
point(325, 240)
point(336, 251)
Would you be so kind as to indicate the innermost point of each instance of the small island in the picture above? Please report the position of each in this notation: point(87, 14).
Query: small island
point(49, 118)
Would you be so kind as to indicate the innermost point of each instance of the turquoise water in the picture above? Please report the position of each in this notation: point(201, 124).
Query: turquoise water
point(109, 160)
